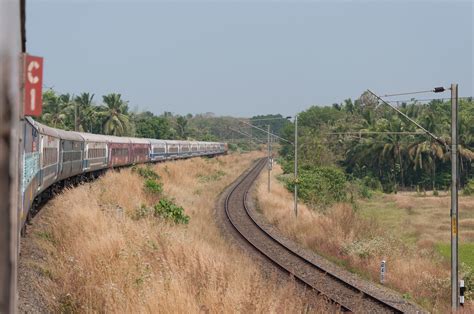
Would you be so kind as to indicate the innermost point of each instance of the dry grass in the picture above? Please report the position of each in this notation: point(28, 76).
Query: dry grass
point(102, 260)
point(360, 242)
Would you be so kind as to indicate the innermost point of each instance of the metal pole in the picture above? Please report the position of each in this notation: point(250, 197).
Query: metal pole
point(296, 165)
point(269, 161)
point(454, 198)
point(75, 117)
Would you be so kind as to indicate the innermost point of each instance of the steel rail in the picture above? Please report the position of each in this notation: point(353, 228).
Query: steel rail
point(256, 170)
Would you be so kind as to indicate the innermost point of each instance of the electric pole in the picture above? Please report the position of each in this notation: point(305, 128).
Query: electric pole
point(269, 166)
point(454, 198)
point(296, 165)
point(455, 283)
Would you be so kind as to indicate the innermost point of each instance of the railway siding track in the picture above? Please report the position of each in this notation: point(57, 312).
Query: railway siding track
point(345, 292)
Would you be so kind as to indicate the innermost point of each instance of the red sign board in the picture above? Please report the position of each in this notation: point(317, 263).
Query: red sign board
point(33, 78)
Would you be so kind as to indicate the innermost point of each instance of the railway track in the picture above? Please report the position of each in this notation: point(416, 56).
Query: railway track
point(336, 289)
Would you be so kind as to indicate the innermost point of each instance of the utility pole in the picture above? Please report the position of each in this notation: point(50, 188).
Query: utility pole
point(454, 198)
point(269, 166)
point(455, 287)
point(75, 117)
point(296, 165)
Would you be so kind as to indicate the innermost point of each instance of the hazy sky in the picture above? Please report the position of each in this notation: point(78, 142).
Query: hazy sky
point(247, 58)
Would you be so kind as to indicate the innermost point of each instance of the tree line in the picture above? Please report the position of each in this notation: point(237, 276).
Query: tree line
point(111, 115)
point(378, 146)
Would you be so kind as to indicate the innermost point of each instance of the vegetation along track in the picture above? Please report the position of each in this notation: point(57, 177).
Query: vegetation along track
point(350, 298)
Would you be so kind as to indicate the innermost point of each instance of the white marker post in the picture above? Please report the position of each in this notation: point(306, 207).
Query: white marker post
point(382, 271)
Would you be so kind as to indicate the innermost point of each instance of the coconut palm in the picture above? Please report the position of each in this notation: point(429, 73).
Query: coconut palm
point(55, 113)
point(114, 115)
point(85, 112)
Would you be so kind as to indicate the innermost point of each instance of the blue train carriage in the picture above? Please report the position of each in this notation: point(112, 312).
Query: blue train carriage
point(157, 150)
point(194, 148)
point(172, 149)
point(49, 147)
point(95, 152)
point(184, 149)
point(31, 164)
point(202, 148)
point(71, 154)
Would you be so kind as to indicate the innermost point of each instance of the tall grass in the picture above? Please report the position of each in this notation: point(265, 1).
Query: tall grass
point(360, 244)
point(101, 258)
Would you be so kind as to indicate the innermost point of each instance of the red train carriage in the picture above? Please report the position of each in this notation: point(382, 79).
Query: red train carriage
point(140, 150)
point(119, 151)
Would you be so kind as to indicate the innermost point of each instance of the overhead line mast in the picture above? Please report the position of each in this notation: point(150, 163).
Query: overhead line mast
point(454, 214)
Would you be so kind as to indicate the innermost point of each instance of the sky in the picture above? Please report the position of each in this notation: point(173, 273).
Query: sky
point(244, 58)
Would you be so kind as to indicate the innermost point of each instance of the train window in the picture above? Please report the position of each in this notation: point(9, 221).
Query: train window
point(119, 152)
point(96, 153)
point(157, 150)
point(141, 151)
point(50, 156)
point(173, 148)
point(72, 156)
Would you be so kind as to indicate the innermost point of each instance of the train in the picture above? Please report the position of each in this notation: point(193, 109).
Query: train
point(54, 158)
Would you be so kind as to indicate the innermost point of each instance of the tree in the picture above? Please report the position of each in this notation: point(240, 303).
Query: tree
point(86, 115)
point(182, 123)
point(114, 115)
point(148, 125)
point(54, 113)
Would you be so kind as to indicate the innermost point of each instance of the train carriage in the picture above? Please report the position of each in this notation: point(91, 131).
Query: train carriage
point(202, 148)
point(49, 142)
point(140, 150)
point(119, 151)
point(95, 152)
point(184, 148)
point(71, 154)
point(194, 148)
point(157, 150)
point(31, 166)
point(172, 149)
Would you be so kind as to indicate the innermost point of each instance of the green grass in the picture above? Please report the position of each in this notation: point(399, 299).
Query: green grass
point(466, 252)
point(387, 213)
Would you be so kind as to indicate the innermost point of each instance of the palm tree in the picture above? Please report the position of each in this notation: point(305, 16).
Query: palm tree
point(424, 155)
point(54, 114)
point(84, 112)
point(115, 115)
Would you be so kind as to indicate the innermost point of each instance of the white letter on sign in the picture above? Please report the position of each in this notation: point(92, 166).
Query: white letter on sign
point(33, 65)
point(33, 99)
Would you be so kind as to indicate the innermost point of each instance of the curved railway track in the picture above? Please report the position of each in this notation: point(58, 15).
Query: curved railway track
point(349, 297)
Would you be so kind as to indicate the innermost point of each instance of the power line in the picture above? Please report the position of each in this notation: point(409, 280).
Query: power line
point(374, 132)
point(436, 90)
point(266, 119)
point(436, 138)
point(425, 99)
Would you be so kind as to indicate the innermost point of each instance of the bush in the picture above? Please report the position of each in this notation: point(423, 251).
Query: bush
point(141, 212)
point(468, 188)
point(321, 186)
point(153, 187)
point(169, 210)
point(146, 172)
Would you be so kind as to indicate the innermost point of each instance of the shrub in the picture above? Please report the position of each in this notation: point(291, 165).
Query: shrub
point(153, 187)
point(169, 210)
point(321, 186)
point(146, 172)
point(141, 212)
point(468, 188)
